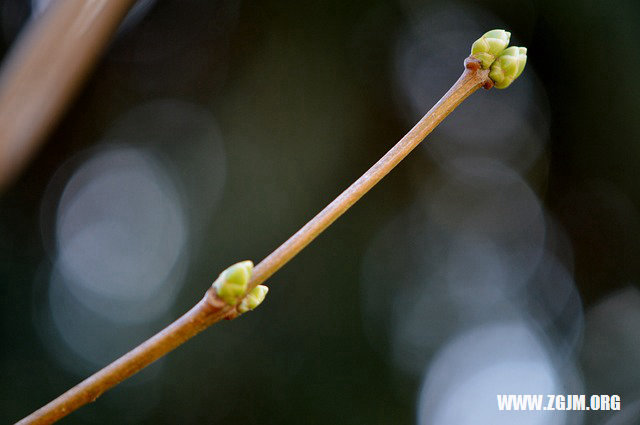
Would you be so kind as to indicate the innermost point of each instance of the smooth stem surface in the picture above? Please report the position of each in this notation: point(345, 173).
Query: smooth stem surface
point(45, 69)
point(471, 80)
point(211, 309)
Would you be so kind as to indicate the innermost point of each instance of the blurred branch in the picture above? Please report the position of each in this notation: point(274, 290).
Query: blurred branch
point(45, 69)
point(212, 308)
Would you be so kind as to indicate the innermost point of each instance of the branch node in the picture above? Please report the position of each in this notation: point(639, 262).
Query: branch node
point(472, 63)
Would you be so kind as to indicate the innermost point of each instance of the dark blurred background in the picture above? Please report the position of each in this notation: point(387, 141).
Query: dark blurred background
point(503, 256)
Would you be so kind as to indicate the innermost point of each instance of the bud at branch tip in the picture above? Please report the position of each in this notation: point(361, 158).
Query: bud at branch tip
point(505, 63)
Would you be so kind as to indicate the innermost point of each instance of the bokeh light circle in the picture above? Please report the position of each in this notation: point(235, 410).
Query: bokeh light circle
point(121, 233)
point(463, 381)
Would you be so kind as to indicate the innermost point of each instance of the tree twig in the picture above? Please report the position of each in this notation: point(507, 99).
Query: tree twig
point(53, 55)
point(212, 309)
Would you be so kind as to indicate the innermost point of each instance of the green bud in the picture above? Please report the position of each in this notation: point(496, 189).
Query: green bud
point(522, 60)
point(508, 66)
point(488, 47)
point(232, 283)
point(253, 299)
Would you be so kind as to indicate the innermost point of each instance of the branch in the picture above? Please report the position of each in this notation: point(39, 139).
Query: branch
point(227, 298)
point(44, 71)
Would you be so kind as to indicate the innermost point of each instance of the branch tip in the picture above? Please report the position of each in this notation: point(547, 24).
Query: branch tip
point(505, 64)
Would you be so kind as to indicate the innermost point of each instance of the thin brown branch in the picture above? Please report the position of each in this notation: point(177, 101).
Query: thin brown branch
point(211, 309)
point(52, 57)
point(471, 79)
